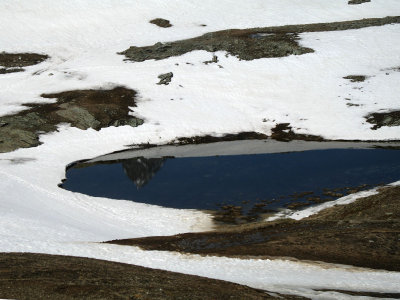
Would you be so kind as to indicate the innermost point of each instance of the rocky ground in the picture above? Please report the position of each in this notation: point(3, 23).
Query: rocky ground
point(81, 108)
point(249, 44)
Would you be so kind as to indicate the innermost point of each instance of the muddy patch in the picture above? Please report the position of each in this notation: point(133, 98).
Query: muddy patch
point(14, 62)
point(365, 233)
point(379, 120)
point(161, 22)
point(81, 108)
point(41, 276)
point(249, 44)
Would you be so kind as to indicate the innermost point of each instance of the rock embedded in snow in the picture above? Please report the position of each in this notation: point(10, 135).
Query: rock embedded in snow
point(81, 108)
point(14, 62)
point(161, 22)
point(391, 118)
point(352, 2)
point(165, 78)
point(356, 78)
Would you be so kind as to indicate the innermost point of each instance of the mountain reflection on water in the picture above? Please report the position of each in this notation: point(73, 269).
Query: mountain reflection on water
point(141, 170)
point(241, 187)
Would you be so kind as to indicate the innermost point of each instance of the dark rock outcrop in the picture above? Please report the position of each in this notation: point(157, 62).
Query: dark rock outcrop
point(81, 108)
point(249, 44)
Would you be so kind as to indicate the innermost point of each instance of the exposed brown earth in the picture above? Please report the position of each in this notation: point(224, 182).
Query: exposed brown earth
point(14, 62)
point(81, 108)
point(248, 135)
point(249, 44)
point(40, 276)
point(365, 233)
point(281, 132)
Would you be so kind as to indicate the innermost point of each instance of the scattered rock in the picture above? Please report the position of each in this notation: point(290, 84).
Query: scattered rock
point(212, 139)
point(391, 118)
point(352, 2)
point(356, 78)
point(14, 62)
point(229, 214)
point(161, 22)
point(81, 108)
point(297, 205)
point(249, 44)
point(214, 60)
point(165, 78)
point(10, 70)
point(283, 132)
point(396, 69)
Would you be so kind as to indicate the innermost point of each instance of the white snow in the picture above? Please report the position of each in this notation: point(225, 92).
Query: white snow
point(308, 91)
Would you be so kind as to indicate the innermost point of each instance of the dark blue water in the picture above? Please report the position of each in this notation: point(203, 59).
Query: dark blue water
point(243, 180)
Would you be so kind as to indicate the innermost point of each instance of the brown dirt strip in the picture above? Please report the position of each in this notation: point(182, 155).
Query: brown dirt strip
point(365, 233)
point(41, 276)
